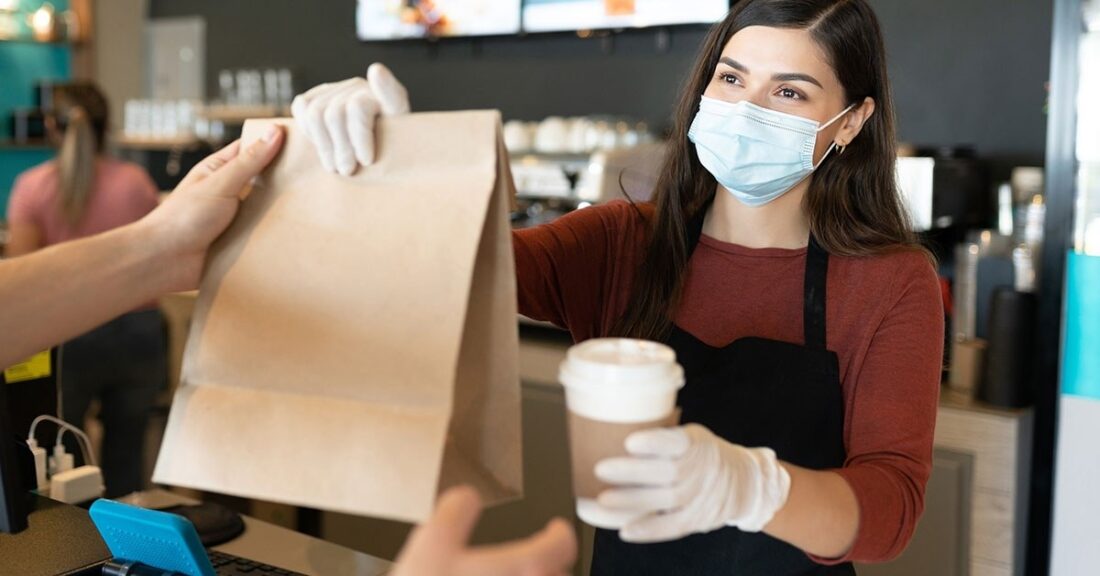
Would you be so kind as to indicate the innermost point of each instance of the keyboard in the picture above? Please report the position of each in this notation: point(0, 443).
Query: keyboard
point(230, 565)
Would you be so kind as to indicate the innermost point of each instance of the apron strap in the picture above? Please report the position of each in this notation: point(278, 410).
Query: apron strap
point(813, 311)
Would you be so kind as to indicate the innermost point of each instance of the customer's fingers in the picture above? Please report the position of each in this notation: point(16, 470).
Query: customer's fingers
point(454, 518)
point(212, 163)
point(552, 551)
point(228, 180)
point(391, 94)
point(362, 111)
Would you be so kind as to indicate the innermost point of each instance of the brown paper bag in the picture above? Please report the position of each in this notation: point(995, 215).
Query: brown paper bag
point(354, 345)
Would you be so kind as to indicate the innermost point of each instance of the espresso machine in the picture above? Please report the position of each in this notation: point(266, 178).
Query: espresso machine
point(550, 185)
point(947, 193)
point(564, 164)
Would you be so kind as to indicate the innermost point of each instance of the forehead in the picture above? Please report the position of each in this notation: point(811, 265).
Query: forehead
point(779, 50)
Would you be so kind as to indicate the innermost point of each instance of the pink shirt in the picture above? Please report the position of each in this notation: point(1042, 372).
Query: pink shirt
point(122, 194)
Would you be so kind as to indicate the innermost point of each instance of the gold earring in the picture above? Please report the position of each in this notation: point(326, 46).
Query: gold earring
point(840, 148)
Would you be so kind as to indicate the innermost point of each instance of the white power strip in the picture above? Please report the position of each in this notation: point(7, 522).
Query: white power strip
point(56, 473)
point(77, 485)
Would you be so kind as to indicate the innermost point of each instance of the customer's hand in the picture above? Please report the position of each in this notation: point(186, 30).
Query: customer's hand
point(339, 118)
point(439, 546)
point(203, 205)
point(686, 480)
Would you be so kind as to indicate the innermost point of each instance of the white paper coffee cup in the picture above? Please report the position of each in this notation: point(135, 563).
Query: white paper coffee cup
point(614, 387)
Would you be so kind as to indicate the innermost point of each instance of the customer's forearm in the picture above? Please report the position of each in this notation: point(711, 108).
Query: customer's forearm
point(821, 516)
point(65, 290)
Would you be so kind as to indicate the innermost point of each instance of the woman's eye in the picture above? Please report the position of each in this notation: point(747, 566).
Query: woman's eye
point(789, 93)
point(728, 78)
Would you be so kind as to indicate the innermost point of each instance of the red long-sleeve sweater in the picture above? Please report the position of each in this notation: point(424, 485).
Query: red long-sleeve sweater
point(884, 319)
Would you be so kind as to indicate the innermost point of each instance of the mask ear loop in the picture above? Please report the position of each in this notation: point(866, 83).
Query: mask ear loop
point(834, 145)
point(835, 118)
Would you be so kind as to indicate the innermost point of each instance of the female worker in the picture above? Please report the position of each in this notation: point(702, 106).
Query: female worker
point(777, 260)
point(83, 192)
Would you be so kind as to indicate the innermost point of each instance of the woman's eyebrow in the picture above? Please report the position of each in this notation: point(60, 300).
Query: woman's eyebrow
point(797, 77)
point(785, 77)
point(733, 64)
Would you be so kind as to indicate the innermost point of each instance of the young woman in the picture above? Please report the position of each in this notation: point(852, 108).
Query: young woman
point(83, 192)
point(777, 260)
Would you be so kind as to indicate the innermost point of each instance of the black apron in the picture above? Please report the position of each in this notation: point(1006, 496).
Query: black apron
point(753, 392)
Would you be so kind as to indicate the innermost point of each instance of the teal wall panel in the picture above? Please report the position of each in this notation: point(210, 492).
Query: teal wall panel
point(22, 65)
point(1081, 353)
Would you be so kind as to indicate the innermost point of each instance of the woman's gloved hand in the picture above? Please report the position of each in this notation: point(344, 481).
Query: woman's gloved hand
point(687, 480)
point(339, 117)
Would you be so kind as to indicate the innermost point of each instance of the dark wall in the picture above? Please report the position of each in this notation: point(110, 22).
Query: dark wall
point(972, 72)
point(964, 72)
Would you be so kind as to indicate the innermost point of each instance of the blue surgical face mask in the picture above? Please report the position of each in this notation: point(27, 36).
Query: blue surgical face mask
point(756, 153)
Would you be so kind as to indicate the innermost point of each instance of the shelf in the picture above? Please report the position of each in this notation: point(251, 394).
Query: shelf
point(21, 40)
point(180, 142)
point(535, 157)
point(238, 114)
point(32, 145)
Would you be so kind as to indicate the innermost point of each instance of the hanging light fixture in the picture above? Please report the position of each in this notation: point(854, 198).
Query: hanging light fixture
point(42, 23)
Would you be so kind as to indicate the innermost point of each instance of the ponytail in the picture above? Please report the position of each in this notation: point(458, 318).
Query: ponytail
point(76, 164)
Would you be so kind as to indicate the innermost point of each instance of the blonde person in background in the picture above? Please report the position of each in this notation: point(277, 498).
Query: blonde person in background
point(83, 192)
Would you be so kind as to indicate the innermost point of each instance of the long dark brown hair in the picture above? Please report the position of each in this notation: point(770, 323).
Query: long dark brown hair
point(80, 110)
point(853, 202)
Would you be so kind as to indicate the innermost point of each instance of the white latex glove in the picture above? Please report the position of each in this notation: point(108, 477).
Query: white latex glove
point(339, 118)
point(687, 480)
point(439, 546)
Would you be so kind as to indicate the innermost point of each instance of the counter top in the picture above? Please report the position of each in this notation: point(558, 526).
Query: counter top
point(542, 348)
point(951, 399)
point(278, 546)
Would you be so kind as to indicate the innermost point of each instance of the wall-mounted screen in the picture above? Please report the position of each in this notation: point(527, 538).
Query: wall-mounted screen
point(566, 15)
point(398, 19)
